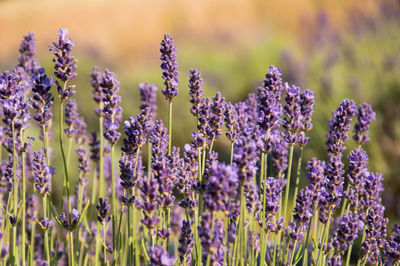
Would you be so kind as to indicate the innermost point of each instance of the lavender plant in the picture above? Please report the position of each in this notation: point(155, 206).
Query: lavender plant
point(189, 207)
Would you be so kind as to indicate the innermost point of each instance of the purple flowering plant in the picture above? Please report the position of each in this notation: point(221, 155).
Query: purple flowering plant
point(185, 206)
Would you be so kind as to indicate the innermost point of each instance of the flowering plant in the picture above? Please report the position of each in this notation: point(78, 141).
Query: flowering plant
point(167, 207)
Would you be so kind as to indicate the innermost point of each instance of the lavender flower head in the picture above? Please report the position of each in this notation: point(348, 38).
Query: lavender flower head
point(95, 81)
point(268, 100)
point(393, 246)
point(136, 130)
point(195, 91)
point(365, 115)
point(159, 257)
point(186, 241)
point(103, 209)
point(159, 140)
point(42, 100)
point(221, 187)
point(27, 51)
point(112, 106)
point(346, 233)
point(339, 125)
point(231, 122)
point(148, 98)
point(64, 63)
point(217, 118)
point(76, 126)
point(302, 213)
point(169, 66)
point(292, 112)
point(306, 110)
point(42, 173)
point(273, 190)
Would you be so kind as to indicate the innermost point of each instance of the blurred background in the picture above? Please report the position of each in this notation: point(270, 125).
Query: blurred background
point(339, 49)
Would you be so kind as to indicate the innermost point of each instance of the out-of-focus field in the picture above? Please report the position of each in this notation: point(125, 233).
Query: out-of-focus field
point(338, 49)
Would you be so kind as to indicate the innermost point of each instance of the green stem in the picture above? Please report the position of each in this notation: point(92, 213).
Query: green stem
point(101, 161)
point(46, 232)
point(104, 249)
point(66, 177)
point(170, 126)
point(232, 148)
point(262, 236)
point(23, 204)
point(326, 232)
point(297, 179)
point(293, 252)
point(349, 255)
point(114, 210)
point(15, 191)
point(289, 171)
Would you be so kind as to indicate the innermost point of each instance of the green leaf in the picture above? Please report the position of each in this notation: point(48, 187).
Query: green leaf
point(54, 212)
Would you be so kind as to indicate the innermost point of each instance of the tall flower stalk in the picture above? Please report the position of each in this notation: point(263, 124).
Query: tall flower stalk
point(65, 66)
point(112, 116)
point(170, 76)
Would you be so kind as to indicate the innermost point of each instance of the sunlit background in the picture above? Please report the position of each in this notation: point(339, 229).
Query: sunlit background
point(338, 49)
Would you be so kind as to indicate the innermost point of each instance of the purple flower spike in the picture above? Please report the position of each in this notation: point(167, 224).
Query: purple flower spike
point(186, 242)
point(346, 233)
point(302, 213)
point(169, 66)
point(292, 111)
point(217, 115)
point(27, 51)
point(42, 173)
point(103, 209)
point(339, 126)
point(42, 100)
point(273, 193)
point(306, 110)
point(112, 106)
point(231, 122)
point(268, 100)
point(221, 187)
point(136, 130)
point(393, 246)
point(64, 63)
point(95, 80)
point(148, 98)
point(375, 235)
point(76, 126)
point(159, 140)
point(195, 91)
point(365, 116)
point(160, 257)
point(83, 159)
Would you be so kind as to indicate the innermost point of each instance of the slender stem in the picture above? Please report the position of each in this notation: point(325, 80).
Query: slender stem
point(211, 236)
point(130, 243)
point(46, 232)
point(15, 191)
point(297, 179)
point(101, 161)
point(23, 204)
point(262, 238)
point(232, 149)
point(326, 231)
point(32, 244)
point(104, 250)
point(71, 245)
point(170, 126)
point(289, 171)
point(349, 255)
point(293, 253)
point(114, 211)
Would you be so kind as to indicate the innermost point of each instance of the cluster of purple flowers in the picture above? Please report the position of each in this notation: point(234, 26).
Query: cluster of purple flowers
point(162, 197)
